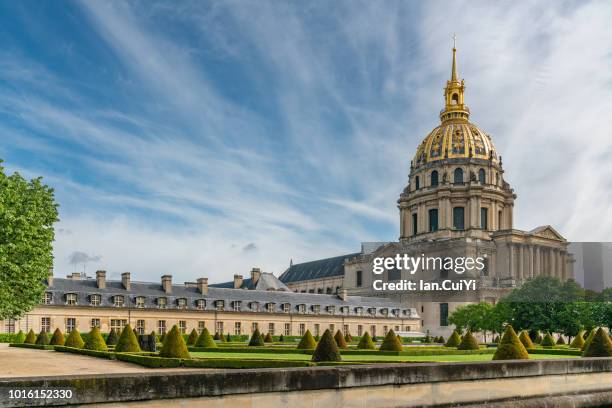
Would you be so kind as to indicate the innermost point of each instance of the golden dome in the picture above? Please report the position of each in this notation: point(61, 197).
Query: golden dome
point(456, 139)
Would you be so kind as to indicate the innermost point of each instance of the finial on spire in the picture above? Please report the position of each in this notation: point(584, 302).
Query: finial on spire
point(454, 71)
point(454, 40)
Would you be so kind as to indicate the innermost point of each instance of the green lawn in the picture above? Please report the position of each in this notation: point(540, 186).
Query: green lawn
point(306, 357)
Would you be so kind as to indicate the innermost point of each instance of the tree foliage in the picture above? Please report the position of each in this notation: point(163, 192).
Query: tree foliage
point(27, 214)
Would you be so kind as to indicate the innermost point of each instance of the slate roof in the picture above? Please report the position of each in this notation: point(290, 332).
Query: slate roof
point(251, 300)
point(266, 281)
point(322, 268)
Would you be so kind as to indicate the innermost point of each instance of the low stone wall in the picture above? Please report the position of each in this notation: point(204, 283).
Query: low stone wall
point(558, 383)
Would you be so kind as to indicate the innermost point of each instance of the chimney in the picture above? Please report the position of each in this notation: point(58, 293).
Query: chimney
point(203, 286)
point(166, 282)
point(343, 295)
point(237, 281)
point(50, 278)
point(255, 274)
point(74, 276)
point(101, 279)
point(125, 280)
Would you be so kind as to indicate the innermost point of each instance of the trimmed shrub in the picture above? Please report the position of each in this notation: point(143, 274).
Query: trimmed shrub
point(205, 339)
point(127, 341)
point(281, 338)
point(454, 340)
point(222, 338)
point(510, 347)
point(588, 339)
point(578, 341)
point(317, 338)
point(148, 342)
point(162, 337)
point(112, 338)
point(256, 339)
point(339, 338)
point(468, 342)
point(399, 338)
point(440, 340)
point(390, 342)
point(74, 340)
point(548, 341)
point(307, 342)
point(20, 337)
point(95, 341)
point(228, 337)
point(599, 346)
point(327, 349)
point(193, 337)
point(174, 346)
point(560, 341)
point(58, 338)
point(347, 337)
point(150, 361)
point(268, 338)
point(30, 338)
point(526, 340)
point(216, 336)
point(538, 339)
point(42, 339)
point(366, 342)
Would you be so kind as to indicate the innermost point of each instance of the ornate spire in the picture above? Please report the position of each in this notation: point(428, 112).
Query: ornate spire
point(454, 108)
point(454, 71)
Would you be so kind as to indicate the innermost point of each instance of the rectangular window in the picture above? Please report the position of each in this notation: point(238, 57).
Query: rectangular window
point(433, 220)
point(373, 330)
point(414, 224)
point(219, 304)
point(345, 329)
point(237, 329)
point(301, 308)
point(359, 330)
point(118, 301)
point(316, 309)
point(140, 326)
point(302, 329)
point(48, 298)
point(270, 307)
point(181, 303)
point(201, 326)
point(254, 326)
point(140, 302)
point(95, 323)
point(287, 329)
point(9, 326)
point(458, 218)
point(118, 325)
point(286, 307)
point(162, 303)
point(237, 305)
point(70, 324)
point(408, 328)
point(161, 327)
point(397, 328)
point(271, 329)
point(45, 324)
point(385, 330)
point(220, 327)
point(71, 299)
point(317, 329)
point(485, 270)
point(484, 218)
point(359, 279)
point(182, 324)
point(200, 304)
point(443, 314)
point(94, 300)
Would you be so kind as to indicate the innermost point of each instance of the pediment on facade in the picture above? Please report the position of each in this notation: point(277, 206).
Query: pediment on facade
point(548, 232)
point(388, 249)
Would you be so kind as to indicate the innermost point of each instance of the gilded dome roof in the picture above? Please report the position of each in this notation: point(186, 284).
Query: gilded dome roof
point(455, 140)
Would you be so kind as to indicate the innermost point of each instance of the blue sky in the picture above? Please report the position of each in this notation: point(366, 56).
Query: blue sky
point(205, 138)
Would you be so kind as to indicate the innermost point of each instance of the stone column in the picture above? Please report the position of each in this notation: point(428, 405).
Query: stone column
point(521, 267)
point(531, 261)
point(538, 261)
point(510, 260)
point(553, 264)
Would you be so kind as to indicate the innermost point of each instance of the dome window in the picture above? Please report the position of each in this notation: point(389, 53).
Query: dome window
point(417, 183)
point(481, 176)
point(459, 218)
point(458, 176)
point(434, 178)
point(455, 99)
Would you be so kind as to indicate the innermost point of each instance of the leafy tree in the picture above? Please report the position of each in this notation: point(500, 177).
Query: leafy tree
point(174, 346)
point(474, 317)
point(27, 214)
point(205, 339)
point(307, 342)
point(327, 349)
point(366, 343)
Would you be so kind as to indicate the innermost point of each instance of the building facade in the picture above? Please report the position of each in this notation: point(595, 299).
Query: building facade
point(238, 307)
point(456, 203)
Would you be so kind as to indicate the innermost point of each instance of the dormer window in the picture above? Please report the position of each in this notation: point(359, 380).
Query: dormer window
point(344, 310)
point(286, 307)
point(385, 312)
point(200, 304)
point(270, 307)
point(359, 311)
point(162, 302)
point(48, 298)
point(316, 309)
point(181, 303)
point(396, 312)
point(236, 305)
point(372, 311)
point(331, 309)
point(140, 302)
point(301, 308)
point(118, 301)
point(71, 299)
point(219, 305)
point(254, 306)
point(94, 300)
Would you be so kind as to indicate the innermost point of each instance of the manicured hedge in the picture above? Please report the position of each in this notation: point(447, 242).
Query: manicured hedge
point(32, 346)
point(418, 351)
point(149, 361)
point(8, 338)
point(247, 363)
point(93, 353)
point(555, 352)
point(266, 350)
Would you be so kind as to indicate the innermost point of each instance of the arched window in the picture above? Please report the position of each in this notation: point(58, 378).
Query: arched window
point(433, 219)
point(455, 99)
point(458, 176)
point(417, 183)
point(481, 176)
point(434, 178)
point(458, 218)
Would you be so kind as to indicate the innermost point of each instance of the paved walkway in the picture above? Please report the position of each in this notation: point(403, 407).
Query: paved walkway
point(22, 362)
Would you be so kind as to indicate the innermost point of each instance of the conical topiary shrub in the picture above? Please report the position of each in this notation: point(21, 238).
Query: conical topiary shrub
point(222, 338)
point(339, 338)
point(74, 339)
point(599, 346)
point(327, 349)
point(95, 341)
point(193, 337)
point(205, 339)
point(366, 343)
point(454, 340)
point(578, 341)
point(538, 339)
point(347, 337)
point(42, 338)
point(58, 338)
point(510, 347)
point(30, 338)
point(441, 340)
point(526, 340)
point(281, 338)
point(256, 339)
point(268, 338)
point(112, 338)
point(588, 339)
point(548, 341)
point(560, 341)
point(216, 336)
point(228, 337)
point(127, 341)
point(496, 339)
point(307, 342)
point(390, 342)
point(468, 342)
point(174, 346)
point(20, 337)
